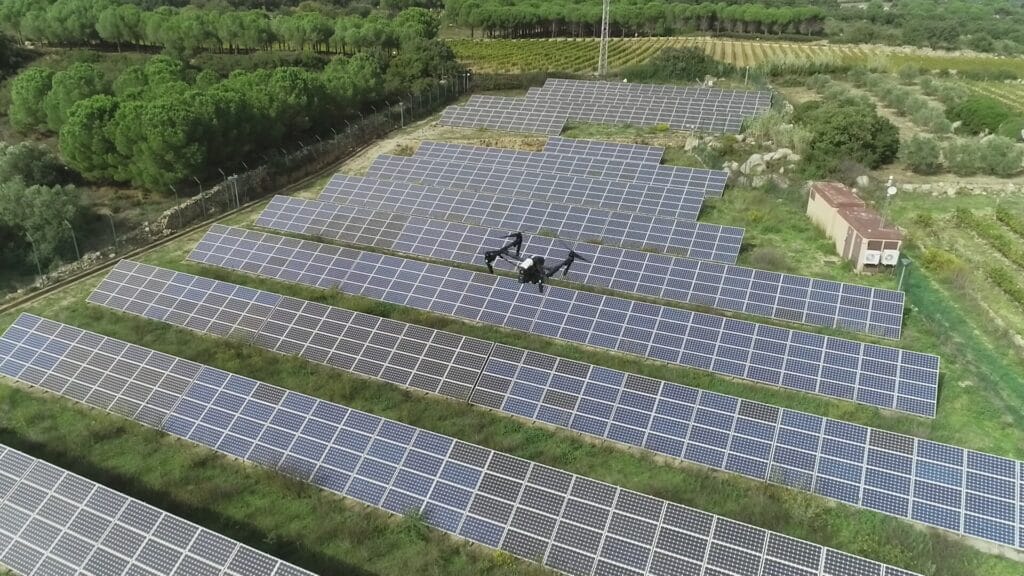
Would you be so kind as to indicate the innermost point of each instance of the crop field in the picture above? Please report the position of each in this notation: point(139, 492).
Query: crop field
point(981, 408)
point(1011, 94)
point(580, 55)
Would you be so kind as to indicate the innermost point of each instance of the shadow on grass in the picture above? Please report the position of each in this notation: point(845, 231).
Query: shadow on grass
point(243, 532)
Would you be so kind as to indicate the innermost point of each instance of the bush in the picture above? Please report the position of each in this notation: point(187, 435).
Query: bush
point(1000, 156)
point(922, 155)
point(847, 130)
point(979, 114)
point(1012, 129)
point(32, 164)
point(963, 157)
point(908, 73)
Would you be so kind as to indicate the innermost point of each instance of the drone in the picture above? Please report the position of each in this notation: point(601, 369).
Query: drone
point(530, 269)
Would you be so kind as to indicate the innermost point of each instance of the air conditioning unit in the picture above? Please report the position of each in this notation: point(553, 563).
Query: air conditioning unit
point(890, 257)
point(872, 256)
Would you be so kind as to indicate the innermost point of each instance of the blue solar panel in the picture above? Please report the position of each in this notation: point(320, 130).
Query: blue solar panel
point(731, 288)
point(774, 356)
point(478, 494)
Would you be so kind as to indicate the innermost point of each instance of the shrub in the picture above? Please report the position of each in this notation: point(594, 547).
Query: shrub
point(1012, 129)
point(908, 73)
point(1000, 156)
point(979, 114)
point(847, 130)
point(963, 157)
point(922, 154)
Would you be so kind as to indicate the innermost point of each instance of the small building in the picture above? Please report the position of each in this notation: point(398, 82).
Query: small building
point(858, 231)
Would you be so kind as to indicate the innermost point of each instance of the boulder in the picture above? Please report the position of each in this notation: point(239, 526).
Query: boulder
point(754, 165)
point(862, 181)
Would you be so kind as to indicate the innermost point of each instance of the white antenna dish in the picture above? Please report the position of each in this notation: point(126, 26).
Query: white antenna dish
point(890, 191)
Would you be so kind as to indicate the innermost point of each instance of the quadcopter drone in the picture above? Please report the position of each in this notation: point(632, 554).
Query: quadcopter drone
point(530, 269)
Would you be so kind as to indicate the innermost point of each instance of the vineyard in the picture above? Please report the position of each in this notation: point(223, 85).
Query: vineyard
point(580, 55)
point(1010, 94)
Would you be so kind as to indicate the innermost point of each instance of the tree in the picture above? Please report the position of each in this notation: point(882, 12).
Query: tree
point(1001, 156)
point(847, 130)
point(963, 156)
point(419, 66)
point(922, 154)
point(120, 24)
point(37, 214)
point(28, 91)
point(32, 163)
point(85, 141)
point(416, 23)
point(78, 82)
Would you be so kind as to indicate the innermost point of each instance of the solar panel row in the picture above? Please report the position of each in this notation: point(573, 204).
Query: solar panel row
point(513, 184)
point(877, 375)
point(567, 522)
point(696, 183)
point(55, 523)
point(693, 239)
point(680, 108)
point(894, 474)
point(695, 92)
point(605, 150)
point(770, 294)
point(720, 105)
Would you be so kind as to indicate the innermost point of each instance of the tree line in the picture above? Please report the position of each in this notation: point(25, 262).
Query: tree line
point(190, 30)
point(558, 18)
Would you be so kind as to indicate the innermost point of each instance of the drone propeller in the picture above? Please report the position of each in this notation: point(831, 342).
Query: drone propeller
point(577, 256)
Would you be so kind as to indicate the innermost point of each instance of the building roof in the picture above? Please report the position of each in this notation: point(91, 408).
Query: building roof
point(868, 224)
point(837, 195)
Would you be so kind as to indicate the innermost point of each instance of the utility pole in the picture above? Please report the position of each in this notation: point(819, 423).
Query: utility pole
point(602, 58)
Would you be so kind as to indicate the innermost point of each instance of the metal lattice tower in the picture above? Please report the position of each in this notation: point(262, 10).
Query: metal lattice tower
point(602, 59)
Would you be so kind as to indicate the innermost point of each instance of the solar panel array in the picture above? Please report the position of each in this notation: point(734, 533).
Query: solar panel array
point(513, 184)
point(567, 522)
point(891, 473)
point(679, 108)
point(757, 101)
point(770, 294)
point(876, 375)
point(605, 150)
point(55, 523)
point(693, 239)
point(514, 115)
point(696, 183)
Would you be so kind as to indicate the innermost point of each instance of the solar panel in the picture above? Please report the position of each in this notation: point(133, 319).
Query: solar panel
point(694, 182)
point(693, 239)
point(566, 522)
point(829, 457)
point(566, 85)
point(711, 105)
point(56, 523)
point(638, 112)
point(515, 183)
point(869, 374)
point(515, 115)
point(758, 292)
point(605, 150)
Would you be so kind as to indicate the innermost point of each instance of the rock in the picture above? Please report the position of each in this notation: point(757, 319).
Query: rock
point(691, 143)
point(783, 154)
point(863, 181)
point(754, 165)
point(741, 137)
